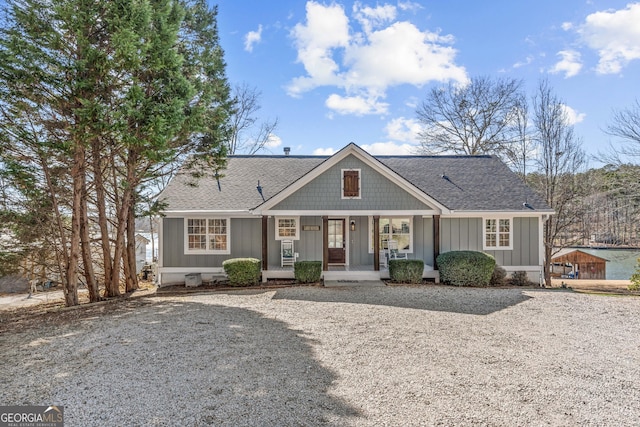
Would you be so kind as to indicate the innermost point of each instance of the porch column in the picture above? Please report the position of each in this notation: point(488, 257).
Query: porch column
point(436, 240)
point(376, 243)
point(265, 252)
point(325, 243)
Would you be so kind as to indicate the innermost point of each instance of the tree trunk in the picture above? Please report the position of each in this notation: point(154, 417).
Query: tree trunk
point(78, 176)
point(87, 258)
point(132, 276)
point(103, 220)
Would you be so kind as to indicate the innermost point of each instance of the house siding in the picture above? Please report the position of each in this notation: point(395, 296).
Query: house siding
point(245, 242)
point(376, 192)
point(458, 234)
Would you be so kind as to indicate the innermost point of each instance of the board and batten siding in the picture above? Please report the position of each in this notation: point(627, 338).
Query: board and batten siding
point(308, 247)
point(461, 234)
point(245, 240)
point(376, 192)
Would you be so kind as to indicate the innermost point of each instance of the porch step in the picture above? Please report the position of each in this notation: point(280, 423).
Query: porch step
point(350, 275)
point(353, 283)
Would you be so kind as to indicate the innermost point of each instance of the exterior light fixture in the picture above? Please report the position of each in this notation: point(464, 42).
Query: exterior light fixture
point(353, 225)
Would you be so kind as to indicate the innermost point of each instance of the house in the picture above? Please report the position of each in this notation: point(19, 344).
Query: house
point(344, 210)
point(141, 251)
point(576, 264)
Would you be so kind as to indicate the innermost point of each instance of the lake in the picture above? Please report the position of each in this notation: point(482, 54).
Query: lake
point(622, 262)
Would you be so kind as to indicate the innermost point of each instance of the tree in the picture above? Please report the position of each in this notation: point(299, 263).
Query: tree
point(559, 157)
point(625, 124)
point(247, 136)
point(97, 100)
point(476, 118)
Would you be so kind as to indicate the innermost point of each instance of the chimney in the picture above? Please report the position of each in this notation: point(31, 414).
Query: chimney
point(287, 150)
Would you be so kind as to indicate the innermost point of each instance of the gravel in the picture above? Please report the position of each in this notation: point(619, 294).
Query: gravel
point(353, 356)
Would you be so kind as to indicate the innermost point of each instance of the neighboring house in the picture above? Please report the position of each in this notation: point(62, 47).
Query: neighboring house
point(344, 209)
point(141, 251)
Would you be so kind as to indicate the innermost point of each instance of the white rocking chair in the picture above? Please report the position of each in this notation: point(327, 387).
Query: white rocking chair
point(394, 252)
point(287, 256)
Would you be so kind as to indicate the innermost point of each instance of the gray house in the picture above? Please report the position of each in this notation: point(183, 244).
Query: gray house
point(352, 211)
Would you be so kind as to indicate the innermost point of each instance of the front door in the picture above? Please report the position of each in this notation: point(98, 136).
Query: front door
point(336, 241)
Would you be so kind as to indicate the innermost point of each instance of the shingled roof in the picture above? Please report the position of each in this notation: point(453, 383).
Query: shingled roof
point(460, 183)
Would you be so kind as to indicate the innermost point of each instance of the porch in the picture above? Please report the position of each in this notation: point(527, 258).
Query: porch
point(340, 272)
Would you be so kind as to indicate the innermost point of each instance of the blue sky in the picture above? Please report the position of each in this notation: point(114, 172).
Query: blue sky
point(345, 71)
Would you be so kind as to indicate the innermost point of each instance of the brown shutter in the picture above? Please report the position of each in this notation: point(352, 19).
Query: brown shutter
point(351, 187)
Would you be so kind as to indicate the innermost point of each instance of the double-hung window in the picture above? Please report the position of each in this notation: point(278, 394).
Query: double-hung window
point(393, 228)
point(287, 228)
point(207, 235)
point(498, 233)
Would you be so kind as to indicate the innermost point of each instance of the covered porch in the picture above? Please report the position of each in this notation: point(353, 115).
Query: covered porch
point(345, 272)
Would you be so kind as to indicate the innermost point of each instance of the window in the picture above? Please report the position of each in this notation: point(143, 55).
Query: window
point(392, 228)
point(350, 183)
point(498, 233)
point(207, 235)
point(287, 228)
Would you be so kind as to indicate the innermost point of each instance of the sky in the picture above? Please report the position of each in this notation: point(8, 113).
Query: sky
point(334, 72)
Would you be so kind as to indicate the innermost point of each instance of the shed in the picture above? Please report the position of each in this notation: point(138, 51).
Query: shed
point(580, 265)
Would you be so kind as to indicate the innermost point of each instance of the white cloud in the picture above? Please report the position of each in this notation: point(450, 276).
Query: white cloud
point(252, 38)
point(570, 64)
point(402, 129)
point(573, 117)
point(528, 60)
point(373, 17)
point(615, 34)
point(365, 64)
point(357, 105)
point(389, 148)
point(273, 141)
point(324, 152)
point(409, 5)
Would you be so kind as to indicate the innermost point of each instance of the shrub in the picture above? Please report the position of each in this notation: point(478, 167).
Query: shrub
point(406, 270)
point(242, 271)
point(520, 278)
point(635, 278)
point(466, 268)
point(307, 271)
point(499, 276)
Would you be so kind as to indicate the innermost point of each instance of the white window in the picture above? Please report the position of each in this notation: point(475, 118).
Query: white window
point(207, 236)
point(498, 234)
point(393, 228)
point(351, 184)
point(287, 228)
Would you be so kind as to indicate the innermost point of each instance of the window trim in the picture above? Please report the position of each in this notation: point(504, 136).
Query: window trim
point(359, 196)
point(497, 234)
point(277, 228)
point(390, 217)
point(188, 251)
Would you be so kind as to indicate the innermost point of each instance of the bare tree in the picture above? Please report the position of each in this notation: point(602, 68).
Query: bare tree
point(625, 124)
point(560, 157)
point(247, 136)
point(520, 153)
point(477, 118)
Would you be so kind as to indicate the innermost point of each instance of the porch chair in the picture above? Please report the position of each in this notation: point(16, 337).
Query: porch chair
point(394, 252)
point(287, 256)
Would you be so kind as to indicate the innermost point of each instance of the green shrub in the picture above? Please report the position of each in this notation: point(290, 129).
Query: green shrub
point(242, 271)
point(635, 278)
point(307, 271)
point(406, 270)
point(466, 268)
point(499, 276)
point(520, 278)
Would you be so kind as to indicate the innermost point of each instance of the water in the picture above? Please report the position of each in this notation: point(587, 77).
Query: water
point(622, 262)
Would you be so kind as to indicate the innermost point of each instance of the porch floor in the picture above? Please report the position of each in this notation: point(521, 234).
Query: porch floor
point(345, 272)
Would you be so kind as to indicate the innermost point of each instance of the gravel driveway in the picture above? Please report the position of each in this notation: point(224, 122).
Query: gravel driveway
point(396, 356)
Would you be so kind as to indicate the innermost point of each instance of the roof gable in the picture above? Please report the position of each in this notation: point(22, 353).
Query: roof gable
point(352, 150)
